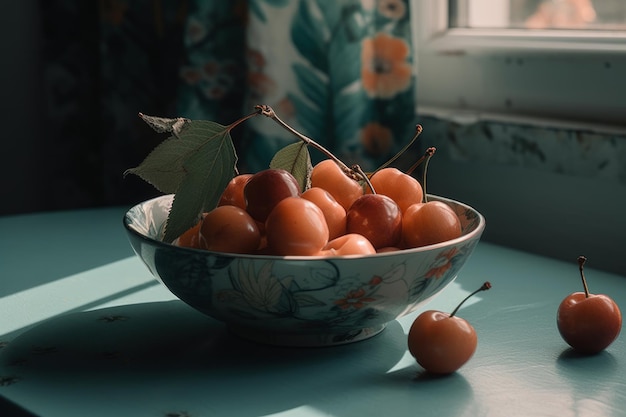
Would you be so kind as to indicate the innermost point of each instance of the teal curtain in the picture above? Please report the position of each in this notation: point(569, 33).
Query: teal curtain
point(339, 71)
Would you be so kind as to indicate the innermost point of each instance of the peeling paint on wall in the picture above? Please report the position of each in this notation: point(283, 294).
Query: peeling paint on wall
point(557, 150)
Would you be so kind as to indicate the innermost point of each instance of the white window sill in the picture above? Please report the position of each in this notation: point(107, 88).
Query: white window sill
point(455, 41)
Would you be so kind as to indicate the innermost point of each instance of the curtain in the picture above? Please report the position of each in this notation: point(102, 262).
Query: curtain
point(339, 71)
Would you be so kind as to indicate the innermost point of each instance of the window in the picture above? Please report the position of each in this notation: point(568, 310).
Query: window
point(540, 60)
point(539, 14)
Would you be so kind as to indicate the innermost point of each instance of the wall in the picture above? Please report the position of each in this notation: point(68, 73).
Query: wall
point(556, 192)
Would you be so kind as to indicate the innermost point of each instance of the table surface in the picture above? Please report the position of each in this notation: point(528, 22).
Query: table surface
point(86, 330)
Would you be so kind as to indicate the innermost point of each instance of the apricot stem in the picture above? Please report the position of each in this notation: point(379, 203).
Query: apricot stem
point(415, 165)
point(484, 287)
point(243, 119)
point(357, 168)
point(418, 131)
point(425, 158)
point(267, 111)
point(581, 263)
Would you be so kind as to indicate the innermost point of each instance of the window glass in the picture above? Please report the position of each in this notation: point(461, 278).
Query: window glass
point(522, 59)
point(538, 14)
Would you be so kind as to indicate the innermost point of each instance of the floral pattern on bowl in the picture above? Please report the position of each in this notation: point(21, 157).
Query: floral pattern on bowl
point(302, 301)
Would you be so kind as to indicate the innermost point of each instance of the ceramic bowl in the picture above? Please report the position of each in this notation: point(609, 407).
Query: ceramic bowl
point(301, 301)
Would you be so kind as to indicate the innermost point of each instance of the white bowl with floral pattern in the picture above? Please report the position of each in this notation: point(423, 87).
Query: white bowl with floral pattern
point(301, 301)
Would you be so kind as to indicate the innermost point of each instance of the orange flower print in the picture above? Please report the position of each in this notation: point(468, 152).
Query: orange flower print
point(196, 31)
point(215, 92)
point(354, 299)
point(256, 60)
point(376, 280)
point(384, 68)
point(376, 139)
point(368, 4)
point(286, 108)
point(443, 262)
point(113, 11)
point(191, 75)
point(260, 85)
point(392, 9)
point(211, 68)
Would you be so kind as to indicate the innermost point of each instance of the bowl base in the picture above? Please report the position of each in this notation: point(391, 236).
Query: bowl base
point(306, 339)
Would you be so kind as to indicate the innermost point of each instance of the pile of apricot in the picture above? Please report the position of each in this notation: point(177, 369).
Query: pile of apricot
point(268, 213)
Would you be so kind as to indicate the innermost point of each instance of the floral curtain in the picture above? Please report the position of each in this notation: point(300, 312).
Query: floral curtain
point(339, 71)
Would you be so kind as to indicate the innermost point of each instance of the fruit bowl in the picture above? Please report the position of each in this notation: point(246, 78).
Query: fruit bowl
point(301, 301)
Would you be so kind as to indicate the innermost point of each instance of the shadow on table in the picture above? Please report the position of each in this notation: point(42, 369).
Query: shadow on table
point(167, 356)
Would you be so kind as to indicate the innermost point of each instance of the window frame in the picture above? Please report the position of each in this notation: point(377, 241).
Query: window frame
point(459, 69)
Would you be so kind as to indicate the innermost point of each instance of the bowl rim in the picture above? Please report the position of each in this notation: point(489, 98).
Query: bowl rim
point(477, 232)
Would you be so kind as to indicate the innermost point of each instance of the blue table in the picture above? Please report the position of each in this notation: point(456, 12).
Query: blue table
point(86, 331)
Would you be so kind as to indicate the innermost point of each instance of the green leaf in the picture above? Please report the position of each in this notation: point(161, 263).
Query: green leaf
point(163, 167)
point(311, 85)
point(309, 33)
point(196, 167)
point(345, 64)
point(351, 109)
point(257, 10)
point(311, 119)
point(296, 159)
